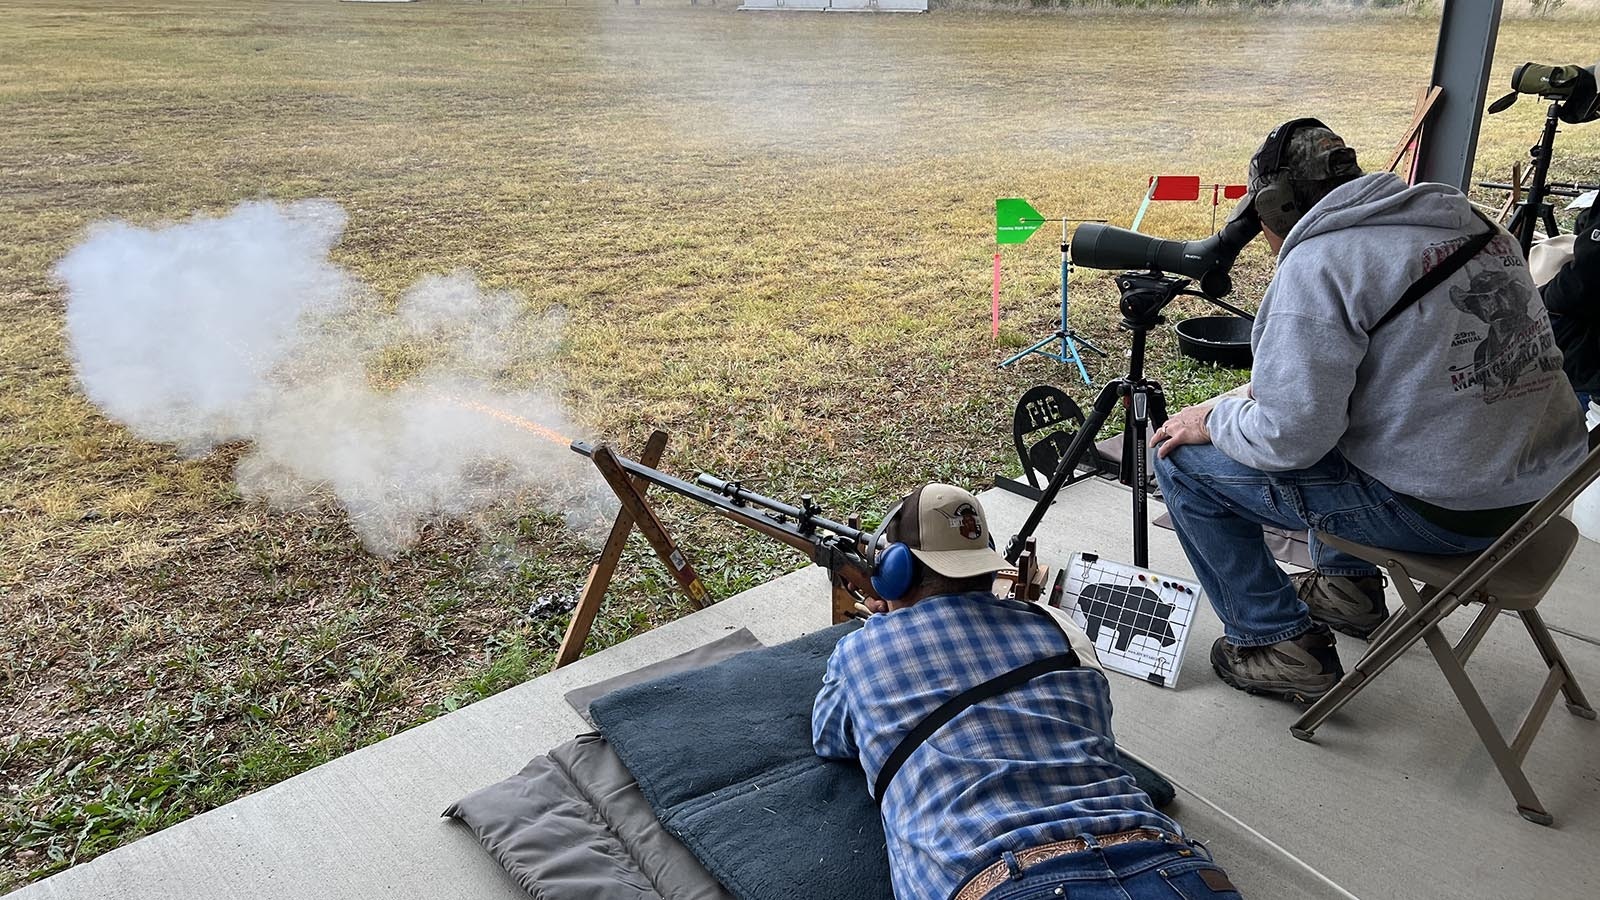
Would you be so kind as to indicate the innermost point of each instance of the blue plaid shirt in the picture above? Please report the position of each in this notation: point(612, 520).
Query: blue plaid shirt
point(1030, 766)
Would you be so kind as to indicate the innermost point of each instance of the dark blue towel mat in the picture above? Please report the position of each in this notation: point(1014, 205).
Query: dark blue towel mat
point(723, 755)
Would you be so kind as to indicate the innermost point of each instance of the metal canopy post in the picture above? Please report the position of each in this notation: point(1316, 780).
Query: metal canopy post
point(1467, 33)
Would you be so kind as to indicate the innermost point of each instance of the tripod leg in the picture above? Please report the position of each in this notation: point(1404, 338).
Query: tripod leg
point(1087, 343)
point(1035, 348)
point(1125, 464)
point(1158, 405)
point(1158, 414)
point(1147, 406)
point(1069, 348)
point(1081, 443)
point(1134, 437)
point(1154, 416)
point(1523, 222)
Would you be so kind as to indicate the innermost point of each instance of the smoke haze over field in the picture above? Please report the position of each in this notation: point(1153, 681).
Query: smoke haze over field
point(241, 328)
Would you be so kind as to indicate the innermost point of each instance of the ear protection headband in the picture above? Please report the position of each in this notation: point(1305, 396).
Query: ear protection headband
point(894, 568)
point(1275, 201)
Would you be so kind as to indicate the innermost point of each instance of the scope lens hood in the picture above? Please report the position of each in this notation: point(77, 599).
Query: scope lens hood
point(1583, 105)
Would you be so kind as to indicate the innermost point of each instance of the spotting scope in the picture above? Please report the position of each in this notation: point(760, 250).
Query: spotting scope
point(1207, 261)
point(1573, 87)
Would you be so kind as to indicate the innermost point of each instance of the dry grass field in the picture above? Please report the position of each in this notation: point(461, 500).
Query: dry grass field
point(772, 234)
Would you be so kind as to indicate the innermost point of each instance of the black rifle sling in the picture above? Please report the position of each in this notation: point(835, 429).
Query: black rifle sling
point(1438, 274)
point(953, 707)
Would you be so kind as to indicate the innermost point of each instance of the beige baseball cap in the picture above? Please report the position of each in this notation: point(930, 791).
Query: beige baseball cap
point(946, 529)
point(1549, 255)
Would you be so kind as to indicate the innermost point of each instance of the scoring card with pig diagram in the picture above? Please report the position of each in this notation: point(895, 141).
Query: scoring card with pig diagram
point(1138, 619)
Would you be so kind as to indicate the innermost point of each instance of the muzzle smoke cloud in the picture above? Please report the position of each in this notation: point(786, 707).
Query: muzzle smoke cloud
point(241, 328)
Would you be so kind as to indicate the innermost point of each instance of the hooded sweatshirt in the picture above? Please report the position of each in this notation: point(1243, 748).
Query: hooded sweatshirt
point(1459, 401)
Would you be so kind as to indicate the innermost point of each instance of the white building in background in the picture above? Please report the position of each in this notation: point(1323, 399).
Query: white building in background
point(912, 6)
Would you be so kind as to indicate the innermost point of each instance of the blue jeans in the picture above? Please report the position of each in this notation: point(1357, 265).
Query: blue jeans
point(1144, 870)
point(1218, 507)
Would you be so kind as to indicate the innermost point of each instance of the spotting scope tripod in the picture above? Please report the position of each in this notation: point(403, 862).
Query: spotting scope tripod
point(1144, 296)
point(1575, 100)
point(1536, 209)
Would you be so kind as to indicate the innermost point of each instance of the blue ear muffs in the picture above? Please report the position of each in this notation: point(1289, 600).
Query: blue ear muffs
point(893, 572)
point(894, 567)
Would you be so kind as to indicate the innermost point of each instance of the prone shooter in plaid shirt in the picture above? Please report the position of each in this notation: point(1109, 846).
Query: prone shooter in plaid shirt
point(1019, 795)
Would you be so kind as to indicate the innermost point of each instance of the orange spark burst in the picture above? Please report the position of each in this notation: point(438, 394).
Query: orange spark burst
point(513, 419)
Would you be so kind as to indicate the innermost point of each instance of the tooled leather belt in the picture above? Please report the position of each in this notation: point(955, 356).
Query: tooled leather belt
point(992, 877)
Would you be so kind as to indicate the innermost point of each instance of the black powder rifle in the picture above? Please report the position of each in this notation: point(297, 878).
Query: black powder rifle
point(840, 547)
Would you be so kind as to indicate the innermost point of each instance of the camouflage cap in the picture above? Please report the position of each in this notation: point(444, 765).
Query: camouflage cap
point(1310, 156)
point(1316, 161)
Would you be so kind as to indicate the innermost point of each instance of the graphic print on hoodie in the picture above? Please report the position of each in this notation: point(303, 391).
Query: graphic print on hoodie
point(1511, 357)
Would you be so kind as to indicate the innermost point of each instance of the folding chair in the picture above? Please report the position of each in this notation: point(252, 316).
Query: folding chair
point(1512, 574)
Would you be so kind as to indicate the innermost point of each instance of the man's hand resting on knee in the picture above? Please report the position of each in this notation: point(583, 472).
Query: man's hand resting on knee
point(1187, 426)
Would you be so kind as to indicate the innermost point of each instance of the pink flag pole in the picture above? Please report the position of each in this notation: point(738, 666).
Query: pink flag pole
point(994, 306)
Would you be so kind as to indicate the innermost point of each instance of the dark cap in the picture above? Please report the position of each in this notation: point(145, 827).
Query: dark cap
point(1309, 158)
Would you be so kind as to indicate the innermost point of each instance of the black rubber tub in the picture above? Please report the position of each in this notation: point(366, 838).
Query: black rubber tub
point(1224, 340)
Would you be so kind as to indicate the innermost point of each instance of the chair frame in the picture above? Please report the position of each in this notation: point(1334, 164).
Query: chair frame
point(1427, 608)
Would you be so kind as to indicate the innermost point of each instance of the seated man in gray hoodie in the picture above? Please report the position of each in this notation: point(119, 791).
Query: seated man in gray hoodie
point(1407, 393)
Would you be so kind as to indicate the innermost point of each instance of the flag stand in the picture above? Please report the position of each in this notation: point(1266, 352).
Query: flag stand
point(1069, 339)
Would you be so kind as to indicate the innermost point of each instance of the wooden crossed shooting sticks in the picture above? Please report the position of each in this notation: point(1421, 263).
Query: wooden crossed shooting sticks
point(799, 528)
point(636, 510)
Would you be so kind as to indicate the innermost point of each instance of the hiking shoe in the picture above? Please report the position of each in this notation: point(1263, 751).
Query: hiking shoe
point(1299, 669)
point(1353, 606)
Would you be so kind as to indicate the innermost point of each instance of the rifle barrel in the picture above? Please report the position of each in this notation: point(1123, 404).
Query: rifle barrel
point(731, 506)
point(798, 529)
point(654, 476)
point(737, 494)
